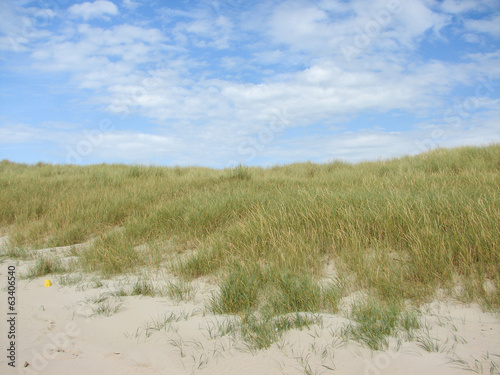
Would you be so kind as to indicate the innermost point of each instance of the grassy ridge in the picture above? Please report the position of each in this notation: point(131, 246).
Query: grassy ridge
point(398, 228)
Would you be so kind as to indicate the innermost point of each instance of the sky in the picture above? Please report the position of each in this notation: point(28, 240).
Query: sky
point(218, 83)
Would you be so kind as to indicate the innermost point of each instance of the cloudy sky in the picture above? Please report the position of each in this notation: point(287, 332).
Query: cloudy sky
point(220, 82)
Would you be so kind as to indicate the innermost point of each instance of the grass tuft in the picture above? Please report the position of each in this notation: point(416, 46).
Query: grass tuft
point(180, 290)
point(294, 293)
point(239, 172)
point(143, 287)
point(238, 292)
point(110, 254)
point(44, 266)
point(375, 321)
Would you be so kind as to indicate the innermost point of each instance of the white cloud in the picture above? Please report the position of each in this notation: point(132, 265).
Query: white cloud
point(378, 80)
point(205, 32)
point(462, 6)
point(416, 18)
point(371, 144)
point(120, 34)
point(300, 26)
point(473, 26)
point(20, 133)
point(489, 26)
point(320, 91)
point(99, 57)
point(13, 43)
point(132, 146)
point(131, 5)
point(97, 9)
point(347, 30)
point(22, 26)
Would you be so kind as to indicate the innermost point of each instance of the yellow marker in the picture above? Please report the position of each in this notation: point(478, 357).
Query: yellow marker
point(47, 283)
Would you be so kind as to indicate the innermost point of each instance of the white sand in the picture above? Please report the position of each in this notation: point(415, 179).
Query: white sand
point(59, 333)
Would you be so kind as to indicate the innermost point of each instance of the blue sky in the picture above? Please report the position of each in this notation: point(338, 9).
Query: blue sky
point(218, 83)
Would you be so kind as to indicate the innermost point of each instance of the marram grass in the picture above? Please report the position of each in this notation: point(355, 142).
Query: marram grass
point(397, 229)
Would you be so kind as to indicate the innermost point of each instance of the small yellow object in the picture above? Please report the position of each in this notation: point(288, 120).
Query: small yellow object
point(47, 283)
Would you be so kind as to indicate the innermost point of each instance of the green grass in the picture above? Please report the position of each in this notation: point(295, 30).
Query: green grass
point(262, 332)
point(396, 229)
point(195, 265)
point(15, 253)
point(71, 279)
point(143, 287)
point(271, 301)
point(44, 266)
point(104, 304)
point(376, 320)
point(238, 292)
point(294, 293)
point(272, 291)
point(107, 307)
point(180, 290)
point(111, 253)
point(488, 363)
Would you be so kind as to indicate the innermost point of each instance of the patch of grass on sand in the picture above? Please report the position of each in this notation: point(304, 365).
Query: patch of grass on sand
point(375, 321)
point(45, 266)
point(180, 290)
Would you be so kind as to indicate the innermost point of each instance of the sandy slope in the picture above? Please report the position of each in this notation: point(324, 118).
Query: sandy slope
point(59, 332)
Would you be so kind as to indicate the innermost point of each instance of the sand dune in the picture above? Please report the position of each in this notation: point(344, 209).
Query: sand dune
point(60, 330)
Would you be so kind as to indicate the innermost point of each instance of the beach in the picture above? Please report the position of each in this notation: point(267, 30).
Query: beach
point(85, 328)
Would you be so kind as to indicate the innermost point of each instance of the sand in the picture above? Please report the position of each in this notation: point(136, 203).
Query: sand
point(59, 331)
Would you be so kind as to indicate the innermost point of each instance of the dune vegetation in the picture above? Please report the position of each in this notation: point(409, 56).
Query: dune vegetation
point(284, 239)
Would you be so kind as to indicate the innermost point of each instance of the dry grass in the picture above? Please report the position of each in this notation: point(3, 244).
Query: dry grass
point(402, 227)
